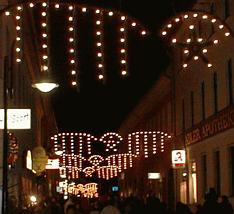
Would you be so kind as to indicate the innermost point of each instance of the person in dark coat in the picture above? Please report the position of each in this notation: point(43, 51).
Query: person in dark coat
point(225, 205)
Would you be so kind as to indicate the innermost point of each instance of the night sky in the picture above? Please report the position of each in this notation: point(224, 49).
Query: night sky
point(99, 108)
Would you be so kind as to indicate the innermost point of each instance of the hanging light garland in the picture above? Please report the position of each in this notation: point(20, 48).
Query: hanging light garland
point(77, 158)
point(194, 43)
point(99, 44)
point(100, 16)
point(72, 26)
point(147, 142)
point(123, 45)
point(18, 40)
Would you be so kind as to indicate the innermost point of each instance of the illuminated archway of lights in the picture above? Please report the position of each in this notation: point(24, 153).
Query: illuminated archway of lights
point(71, 14)
point(78, 158)
point(195, 33)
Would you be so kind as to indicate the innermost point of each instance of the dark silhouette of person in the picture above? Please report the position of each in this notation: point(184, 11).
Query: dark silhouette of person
point(211, 204)
point(225, 205)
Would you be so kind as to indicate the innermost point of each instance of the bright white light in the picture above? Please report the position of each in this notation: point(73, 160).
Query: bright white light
point(45, 87)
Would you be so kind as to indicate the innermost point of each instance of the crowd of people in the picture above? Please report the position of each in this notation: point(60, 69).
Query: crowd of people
point(130, 205)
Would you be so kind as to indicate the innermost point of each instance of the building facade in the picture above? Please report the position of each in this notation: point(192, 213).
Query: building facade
point(201, 97)
point(22, 181)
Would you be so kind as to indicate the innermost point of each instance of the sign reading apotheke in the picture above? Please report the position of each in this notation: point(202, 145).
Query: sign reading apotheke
point(16, 118)
point(213, 125)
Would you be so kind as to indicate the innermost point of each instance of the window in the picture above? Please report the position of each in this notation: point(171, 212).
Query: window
point(215, 86)
point(226, 9)
point(204, 174)
point(212, 8)
point(232, 170)
point(183, 116)
point(192, 107)
point(229, 81)
point(203, 100)
point(217, 171)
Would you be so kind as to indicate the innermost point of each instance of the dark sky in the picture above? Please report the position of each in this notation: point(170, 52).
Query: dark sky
point(98, 108)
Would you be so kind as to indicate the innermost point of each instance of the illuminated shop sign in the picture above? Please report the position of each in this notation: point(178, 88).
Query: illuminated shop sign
point(16, 118)
point(52, 164)
point(178, 158)
point(154, 175)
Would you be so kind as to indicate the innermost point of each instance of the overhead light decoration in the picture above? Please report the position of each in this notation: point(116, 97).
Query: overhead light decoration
point(72, 44)
point(78, 158)
point(195, 41)
point(74, 13)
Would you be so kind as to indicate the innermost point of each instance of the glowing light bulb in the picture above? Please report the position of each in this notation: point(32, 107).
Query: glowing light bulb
point(173, 40)
point(213, 20)
point(169, 25)
point(56, 6)
point(100, 76)
point(31, 4)
point(195, 15)
point(143, 32)
point(84, 9)
point(7, 13)
point(221, 26)
point(191, 27)
point(110, 13)
point(185, 65)
point(123, 18)
point(186, 51)
point(123, 73)
point(133, 24)
point(216, 41)
point(227, 34)
point(209, 65)
point(188, 40)
point(177, 19)
point(204, 50)
point(195, 57)
point(98, 22)
point(204, 16)
point(164, 33)
point(97, 11)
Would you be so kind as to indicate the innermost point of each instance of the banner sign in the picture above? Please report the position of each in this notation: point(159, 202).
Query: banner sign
point(16, 118)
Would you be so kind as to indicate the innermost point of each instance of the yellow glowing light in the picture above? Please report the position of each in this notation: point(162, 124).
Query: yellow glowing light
point(74, 83)
point(204, 16)
point(191, 27)
point(18, 60)
point(195, 57)
point(98, 33)
point(19, 8)
point(227, 34)
point(169, 25)
point(44, 4)
point(209, 65)
point(123, 73)
point(185, 65)
point(98, 22)
point(204, 50)
point(186, 51)
point(110, 13)
point(122, 40)
point(186, 16)
point(173, 40)
point(100, 76)
point(164, 33)
point(195, 15)
point(44, 56)
point(221, 26)
point(122, 29)
point(17, 17)
point(216, 41)
point(7, 13)
point(143, 32)
point(56, 6)
point(213, 20)
point(99, 54)
point(84, 9)
point(123, 18)
point(133, 24)
point(18, 38)
point(199, 39)
point(70, 18)
point(73, 72)
point(188, 40)
point(43, 13)
point(122, 50)
point(177, 19)
point(31, 4)
point(71, 39)
point(17, 28)
point(97, 11)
